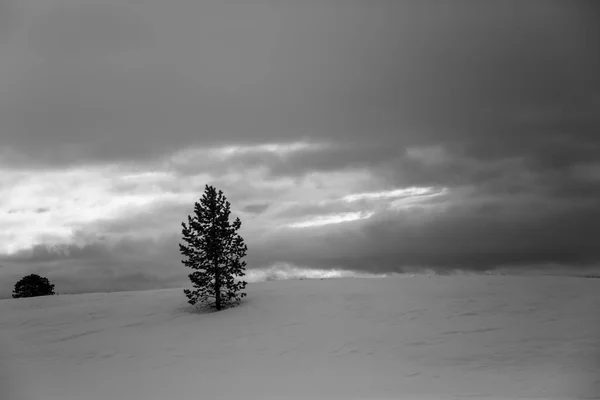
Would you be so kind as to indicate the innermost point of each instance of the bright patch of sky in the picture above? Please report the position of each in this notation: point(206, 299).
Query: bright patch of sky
point(281, 149)
point(221, 153)
point(406, 192)
point(51, 207)
point(47, 207)
point(282, 271)
point(332, 219)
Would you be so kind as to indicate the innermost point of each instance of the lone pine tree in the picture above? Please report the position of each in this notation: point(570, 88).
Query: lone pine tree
point(214, 251)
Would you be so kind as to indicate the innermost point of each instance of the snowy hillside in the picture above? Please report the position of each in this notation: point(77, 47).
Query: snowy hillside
point(439, 337)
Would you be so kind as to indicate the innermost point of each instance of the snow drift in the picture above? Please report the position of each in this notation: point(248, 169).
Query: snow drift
point(439, 337)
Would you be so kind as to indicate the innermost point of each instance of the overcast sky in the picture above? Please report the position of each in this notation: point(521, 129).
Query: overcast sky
point(374, 136)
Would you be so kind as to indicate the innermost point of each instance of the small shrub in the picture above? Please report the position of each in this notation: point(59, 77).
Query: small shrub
point(33, 286)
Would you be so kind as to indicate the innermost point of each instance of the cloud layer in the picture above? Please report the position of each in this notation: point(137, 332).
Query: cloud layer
point(379, 137)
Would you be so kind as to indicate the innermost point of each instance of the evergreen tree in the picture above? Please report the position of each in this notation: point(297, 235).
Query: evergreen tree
point(214, 251)
point(33, 285)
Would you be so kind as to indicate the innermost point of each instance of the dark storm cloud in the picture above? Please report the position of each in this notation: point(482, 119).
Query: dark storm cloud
point(256, 208)
point(93, 31)
point(6, 17)
point(337, 157)
point(472, 236)
point(113, 82)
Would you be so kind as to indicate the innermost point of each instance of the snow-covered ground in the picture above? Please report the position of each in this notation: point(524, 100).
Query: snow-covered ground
point(440, 337)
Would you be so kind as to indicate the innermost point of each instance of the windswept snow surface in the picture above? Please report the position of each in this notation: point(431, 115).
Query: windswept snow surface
point(441, 337)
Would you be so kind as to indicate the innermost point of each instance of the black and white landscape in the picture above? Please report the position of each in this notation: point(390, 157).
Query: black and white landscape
point(436, 162)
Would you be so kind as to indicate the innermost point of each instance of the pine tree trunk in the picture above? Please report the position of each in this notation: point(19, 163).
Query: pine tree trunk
point(216, 266)
point(217, 286)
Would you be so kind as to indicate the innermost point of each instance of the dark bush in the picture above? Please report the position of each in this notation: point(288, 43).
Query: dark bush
point(33, 286)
